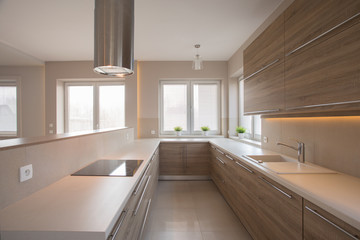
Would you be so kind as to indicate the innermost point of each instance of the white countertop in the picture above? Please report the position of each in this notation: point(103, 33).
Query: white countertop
point(80, 207)
point(338, 193)
point(76, 207)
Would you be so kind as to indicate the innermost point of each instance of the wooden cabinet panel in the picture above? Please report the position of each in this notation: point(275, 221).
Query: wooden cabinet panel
point(280, 210)
point(184, 159)
point(321, 225)
point(197, 159)
point(305, 20)
point(265, 91)
point(329, 73)
point(259, 202)
point(266, 48)
point(172, 159)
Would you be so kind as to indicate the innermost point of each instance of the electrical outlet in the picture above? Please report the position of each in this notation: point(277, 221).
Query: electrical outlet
point(26, 173)
point(153, 132)
point(265, 139)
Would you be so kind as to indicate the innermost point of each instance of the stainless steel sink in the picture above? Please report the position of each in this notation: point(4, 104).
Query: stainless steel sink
point(268, 158)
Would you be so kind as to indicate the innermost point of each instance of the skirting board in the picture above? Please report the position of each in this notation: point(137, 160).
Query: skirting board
point(183, 178)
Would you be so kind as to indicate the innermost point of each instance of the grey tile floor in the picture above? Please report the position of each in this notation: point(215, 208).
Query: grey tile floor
point(193, 210)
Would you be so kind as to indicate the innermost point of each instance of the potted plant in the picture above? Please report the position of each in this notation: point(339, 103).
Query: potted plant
point(178, 130)
point(241, 132)
point(205, 130)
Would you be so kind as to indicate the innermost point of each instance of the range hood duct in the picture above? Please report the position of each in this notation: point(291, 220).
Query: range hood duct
point(114, 37)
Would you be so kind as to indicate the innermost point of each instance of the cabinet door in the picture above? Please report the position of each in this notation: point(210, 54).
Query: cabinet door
point(280, 210)
point(321, 225)
point(264, 92)
point(266, 48)
point(172, 159)
point(197, 159)
point(327, 74)
point(305, 20)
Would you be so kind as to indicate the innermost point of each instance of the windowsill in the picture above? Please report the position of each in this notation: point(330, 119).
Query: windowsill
point(247, 141)
point(191, 136)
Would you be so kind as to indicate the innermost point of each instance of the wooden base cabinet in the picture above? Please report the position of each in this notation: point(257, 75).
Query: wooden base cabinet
point(267, 209)
point(321, 225)
point(131, 223)
point(184, 159)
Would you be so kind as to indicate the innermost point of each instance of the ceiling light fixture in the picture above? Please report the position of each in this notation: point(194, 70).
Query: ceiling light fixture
point(197, 62)
point(114, 37)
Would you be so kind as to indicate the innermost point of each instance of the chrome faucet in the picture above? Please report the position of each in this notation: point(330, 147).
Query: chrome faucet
point(300, 150)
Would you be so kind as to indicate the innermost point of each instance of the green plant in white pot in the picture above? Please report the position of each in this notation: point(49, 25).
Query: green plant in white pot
point(178, 130)
point(241, 132)
point(205, 130)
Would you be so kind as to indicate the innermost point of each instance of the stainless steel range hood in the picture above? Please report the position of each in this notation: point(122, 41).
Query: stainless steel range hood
point(114, 37)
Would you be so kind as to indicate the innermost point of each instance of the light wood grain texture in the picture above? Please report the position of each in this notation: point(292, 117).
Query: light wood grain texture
point(184, 159)
point(328, 73)
point(266, 48)
point(319, 229)
point(172, 159)
point(265, 91)
point(197, 159)
point(264, 211)
point(305, 20)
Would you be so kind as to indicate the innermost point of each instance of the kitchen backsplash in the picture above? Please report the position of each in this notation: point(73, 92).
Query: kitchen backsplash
point(54, 160)
point(332, 142)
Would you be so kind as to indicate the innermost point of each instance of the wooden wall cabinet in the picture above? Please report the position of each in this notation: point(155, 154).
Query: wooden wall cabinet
point(266, 48)
point(327, 74)
point(320, 59)
point(264, 71)
point(321, 225)
point(184, 159)
point(267, 209)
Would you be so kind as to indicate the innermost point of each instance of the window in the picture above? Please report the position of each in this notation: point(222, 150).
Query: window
point(94, 105)
point(251, 123)
point(9, 108)
point(189, 104)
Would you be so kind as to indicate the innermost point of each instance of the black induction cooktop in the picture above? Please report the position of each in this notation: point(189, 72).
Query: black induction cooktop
point(110, 168)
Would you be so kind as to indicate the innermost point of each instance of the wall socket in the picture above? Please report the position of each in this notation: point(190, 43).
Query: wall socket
point(152, 132)
point(265, 139)
point(26, 173)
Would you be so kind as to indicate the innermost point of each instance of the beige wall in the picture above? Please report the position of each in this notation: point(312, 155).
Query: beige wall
point(32, 98)
point(149, 74)
point(83, 70)
point(54, 160)
point(331, 142)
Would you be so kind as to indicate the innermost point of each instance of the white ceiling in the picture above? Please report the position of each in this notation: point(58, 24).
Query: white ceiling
point(62, 30)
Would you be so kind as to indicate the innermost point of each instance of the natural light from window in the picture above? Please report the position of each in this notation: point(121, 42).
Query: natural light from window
point(205, 106)
point(8, 110)
point(175, 106)
point(112, 106)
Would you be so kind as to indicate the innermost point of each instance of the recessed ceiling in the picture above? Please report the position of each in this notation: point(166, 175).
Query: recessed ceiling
point(165, 30)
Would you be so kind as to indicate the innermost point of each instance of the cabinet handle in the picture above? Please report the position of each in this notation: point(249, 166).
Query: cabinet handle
point(275, 187)
point(220, 151)
point(229, 157)
point(321, 35)
point(247, 169)
point(323, 105)
point(145, 219)
point(263, 111)
point(262, 69)
point(118, 225)
point(142, 180)
point(219, 159)
point(142, 197)
point(331, 223)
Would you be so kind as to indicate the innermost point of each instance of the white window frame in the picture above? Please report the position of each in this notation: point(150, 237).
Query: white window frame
point(96, 99)
point(13, 81)
point(248, 135)
point(190, 100)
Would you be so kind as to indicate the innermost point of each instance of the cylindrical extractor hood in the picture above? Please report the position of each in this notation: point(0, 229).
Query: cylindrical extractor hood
point(114, 37)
